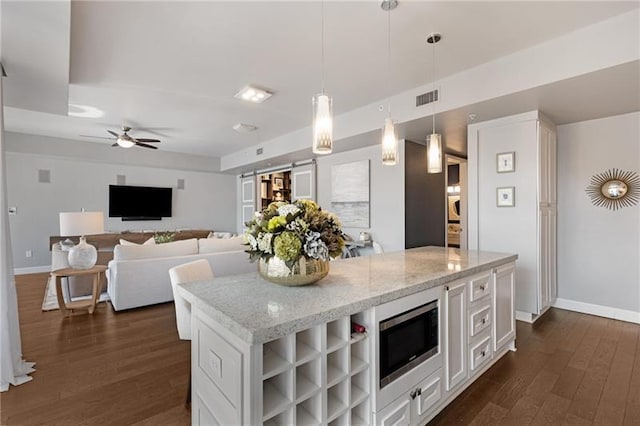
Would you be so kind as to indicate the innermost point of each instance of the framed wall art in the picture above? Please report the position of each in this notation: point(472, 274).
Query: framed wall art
point(506, 162)
point(506, 196)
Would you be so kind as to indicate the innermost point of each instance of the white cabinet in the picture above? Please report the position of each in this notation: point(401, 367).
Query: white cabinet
point(527, 228)
point(547, 217)
point(480, 319)
point(414, 407)
point(455, 334)
point(504, 322)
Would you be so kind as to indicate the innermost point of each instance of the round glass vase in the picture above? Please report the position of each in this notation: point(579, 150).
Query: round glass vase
point(302, 272)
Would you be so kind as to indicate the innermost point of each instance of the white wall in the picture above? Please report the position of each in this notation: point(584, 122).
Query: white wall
point(386, 197)
point(598, 248)
point(208, 200)
point(596, 47)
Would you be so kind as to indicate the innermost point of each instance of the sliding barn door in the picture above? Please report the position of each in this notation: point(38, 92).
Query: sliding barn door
point(247, 199)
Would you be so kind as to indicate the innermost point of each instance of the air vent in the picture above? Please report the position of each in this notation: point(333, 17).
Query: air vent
point(427, 98)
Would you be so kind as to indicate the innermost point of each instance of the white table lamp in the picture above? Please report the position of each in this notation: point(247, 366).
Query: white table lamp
point(83, 255)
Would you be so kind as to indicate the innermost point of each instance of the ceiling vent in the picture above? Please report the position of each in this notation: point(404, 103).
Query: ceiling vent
point(427, 98)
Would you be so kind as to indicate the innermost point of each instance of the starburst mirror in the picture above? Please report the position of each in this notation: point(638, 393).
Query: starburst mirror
point(614, 189)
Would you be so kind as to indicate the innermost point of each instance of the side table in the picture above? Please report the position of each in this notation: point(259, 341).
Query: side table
point(66, 308)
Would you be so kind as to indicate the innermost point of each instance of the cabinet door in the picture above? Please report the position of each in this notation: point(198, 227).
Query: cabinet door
point(398, 413)
point(543, 260)
point(455, 336)
point(428, 396)
point(504, 321)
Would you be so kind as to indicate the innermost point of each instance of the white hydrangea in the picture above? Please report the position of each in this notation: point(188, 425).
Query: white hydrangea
point(253, 243)
point(287, 209)
point(264, 242)
point(314, 247)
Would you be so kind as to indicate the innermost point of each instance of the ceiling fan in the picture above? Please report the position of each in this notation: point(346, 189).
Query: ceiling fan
point(125, 141)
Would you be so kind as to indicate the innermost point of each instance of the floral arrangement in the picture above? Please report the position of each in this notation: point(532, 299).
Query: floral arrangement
point(164, 237)
point(290, 231)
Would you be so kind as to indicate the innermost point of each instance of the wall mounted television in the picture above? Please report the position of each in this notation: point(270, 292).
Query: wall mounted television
point(139, 202)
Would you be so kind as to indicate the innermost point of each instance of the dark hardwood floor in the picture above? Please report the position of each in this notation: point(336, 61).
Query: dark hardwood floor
point(130, 368)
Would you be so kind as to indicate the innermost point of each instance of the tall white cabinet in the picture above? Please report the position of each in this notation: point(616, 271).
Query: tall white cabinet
point(529, 227)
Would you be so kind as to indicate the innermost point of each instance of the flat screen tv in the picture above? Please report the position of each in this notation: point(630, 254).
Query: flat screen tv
point(139, 202)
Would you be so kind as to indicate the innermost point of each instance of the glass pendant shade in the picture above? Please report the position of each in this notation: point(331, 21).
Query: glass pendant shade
point(434, 153)
point(125, 143)
point(389, 143)
point(322, 124)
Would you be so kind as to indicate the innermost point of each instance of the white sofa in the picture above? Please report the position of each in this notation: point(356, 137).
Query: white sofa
point(138, 275)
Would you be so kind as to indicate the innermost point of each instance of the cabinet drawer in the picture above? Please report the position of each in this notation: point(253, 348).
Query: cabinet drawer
point(429, 394)
point(479, 287)
point(480, 353)
point(218, 362)
point(479, 320)
point(398, 413)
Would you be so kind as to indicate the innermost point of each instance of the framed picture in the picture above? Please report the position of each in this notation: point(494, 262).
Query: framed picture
point(506, 162)
point(454, 208)
point(278, 183)
point(506, 196)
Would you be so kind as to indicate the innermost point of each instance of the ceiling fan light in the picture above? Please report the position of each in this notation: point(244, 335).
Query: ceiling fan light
point(125, 143)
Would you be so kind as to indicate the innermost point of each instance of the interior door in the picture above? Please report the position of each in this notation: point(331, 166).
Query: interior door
point(247, 199)
point(303, 182)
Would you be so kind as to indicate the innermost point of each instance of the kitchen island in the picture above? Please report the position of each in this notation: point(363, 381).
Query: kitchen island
point(263, 353)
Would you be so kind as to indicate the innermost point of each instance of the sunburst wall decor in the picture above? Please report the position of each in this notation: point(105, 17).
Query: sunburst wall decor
point(614, 189)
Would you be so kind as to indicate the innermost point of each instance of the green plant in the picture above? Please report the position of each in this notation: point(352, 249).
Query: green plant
point(164, 237)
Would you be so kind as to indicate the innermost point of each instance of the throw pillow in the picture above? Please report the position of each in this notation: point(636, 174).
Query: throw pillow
point(130, 243)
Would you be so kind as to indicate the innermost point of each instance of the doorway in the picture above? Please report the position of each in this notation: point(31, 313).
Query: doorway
point(456, 205)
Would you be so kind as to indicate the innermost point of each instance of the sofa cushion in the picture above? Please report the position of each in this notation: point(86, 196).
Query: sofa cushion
point(151, 251)
point(221, 235)
point(124, 242)
point(217, 245)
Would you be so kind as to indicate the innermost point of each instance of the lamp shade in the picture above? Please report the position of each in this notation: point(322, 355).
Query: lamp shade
point(434, 153)
point(389, 143)
point(322, 124)
point(81, 223)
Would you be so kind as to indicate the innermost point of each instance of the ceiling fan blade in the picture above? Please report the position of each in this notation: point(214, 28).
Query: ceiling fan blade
point(113, 133)
point(148, 140)
point(146, 146)
point(97, 137)
point(115, 144)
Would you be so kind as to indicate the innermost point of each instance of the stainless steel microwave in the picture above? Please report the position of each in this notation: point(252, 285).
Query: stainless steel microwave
point(407, 340)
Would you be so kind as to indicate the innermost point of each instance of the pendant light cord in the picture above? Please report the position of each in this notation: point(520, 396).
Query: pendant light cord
point(322, 42)
point(389, 55)
point(433, 104)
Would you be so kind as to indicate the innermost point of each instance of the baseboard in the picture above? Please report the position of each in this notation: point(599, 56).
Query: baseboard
point(525, 317)
point(599, 310)
point(32, 270)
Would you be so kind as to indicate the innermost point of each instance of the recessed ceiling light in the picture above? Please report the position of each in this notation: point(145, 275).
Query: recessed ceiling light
point(244, 128)
point(253, 94)
point(84, 111)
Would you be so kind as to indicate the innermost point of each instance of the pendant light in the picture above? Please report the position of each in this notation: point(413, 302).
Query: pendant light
point(322, 111)
point(434, 141)
point(389, 136)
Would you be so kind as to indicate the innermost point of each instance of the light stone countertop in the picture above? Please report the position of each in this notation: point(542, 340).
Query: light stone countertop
point(258, 311)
